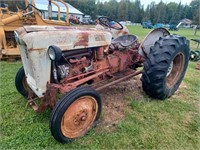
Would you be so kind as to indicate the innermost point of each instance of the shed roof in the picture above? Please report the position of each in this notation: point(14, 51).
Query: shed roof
point(185, 20)
point(43, 5)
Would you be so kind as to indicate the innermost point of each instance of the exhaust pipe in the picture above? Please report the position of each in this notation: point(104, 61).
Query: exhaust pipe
point(50, 10)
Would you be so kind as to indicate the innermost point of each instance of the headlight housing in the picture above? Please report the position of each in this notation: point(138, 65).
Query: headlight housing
point(54, 53)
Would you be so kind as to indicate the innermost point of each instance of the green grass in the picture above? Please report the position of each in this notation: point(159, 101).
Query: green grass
point(189, 33)
point(147, 124)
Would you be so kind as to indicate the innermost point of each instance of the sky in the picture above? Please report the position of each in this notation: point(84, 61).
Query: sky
point(146, 2)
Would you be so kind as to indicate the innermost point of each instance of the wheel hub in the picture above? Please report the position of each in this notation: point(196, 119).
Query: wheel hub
point(80, 117)
point(170, 69)
point(175, 69)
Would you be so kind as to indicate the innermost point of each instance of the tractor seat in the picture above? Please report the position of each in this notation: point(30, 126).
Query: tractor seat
point(124, 41)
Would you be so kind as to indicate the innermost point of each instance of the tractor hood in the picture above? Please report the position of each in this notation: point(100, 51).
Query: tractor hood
point(67, 38)
point(33, 42)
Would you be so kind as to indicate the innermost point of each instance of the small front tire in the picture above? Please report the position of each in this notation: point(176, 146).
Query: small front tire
point(75, 114)
point(21, 83)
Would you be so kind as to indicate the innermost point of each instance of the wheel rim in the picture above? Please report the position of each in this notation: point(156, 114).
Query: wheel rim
point(79, 117)
point(25, 84)
point(170, 69)
point(175, 70)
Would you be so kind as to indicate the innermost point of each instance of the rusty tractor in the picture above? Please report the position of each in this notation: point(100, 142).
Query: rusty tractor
point(30, 15)
point(74, 63)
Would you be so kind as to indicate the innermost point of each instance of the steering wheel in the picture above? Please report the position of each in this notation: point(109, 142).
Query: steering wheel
point(30, 5)
point(110, 23)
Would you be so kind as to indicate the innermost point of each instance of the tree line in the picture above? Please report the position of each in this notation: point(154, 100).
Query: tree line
point(134, 11)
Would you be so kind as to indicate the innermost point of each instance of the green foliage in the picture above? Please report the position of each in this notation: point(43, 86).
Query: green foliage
point(12, 5)
point(147, 124)
point(134, 11)
point(86, 6)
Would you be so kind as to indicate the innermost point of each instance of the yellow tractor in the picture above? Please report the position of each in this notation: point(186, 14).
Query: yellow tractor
point(30, 15)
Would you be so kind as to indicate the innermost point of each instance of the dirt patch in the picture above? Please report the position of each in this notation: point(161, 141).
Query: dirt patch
point(179, 93)
point(114, 100)
point(198, 65)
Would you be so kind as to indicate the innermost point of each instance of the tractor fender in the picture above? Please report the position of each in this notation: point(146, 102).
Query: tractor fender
point(150, 40)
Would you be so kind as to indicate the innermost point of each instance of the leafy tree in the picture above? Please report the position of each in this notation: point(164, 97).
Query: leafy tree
point(131, 10)
point(12, 5)
point(196, 17)
point(195, 6)
point(176, 16)
point(138, 11)
point(187, 12)
point(161, 13)
point(122, 10)
point(152, 12)
point(113, 9)
point(88, 7)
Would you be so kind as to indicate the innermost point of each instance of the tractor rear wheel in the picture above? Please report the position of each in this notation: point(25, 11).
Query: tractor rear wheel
point(165, 67)
point(75, 114)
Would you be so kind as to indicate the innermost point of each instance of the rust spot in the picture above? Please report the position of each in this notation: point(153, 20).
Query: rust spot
point(121, 32)
point(100, 53)
point(49, 99)
point(64, 28)
point(21, 31)
point(83, 39)
point(76, 28)
point(38, 49)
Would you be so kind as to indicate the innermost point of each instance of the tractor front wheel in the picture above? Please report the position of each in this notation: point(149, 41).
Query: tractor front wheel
point(21, 83)
point(75, 114)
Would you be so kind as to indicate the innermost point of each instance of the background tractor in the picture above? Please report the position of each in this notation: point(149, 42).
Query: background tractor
point(30, 15)
point(75, 63)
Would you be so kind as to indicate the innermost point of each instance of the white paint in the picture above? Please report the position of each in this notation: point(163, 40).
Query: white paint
point(37, 39)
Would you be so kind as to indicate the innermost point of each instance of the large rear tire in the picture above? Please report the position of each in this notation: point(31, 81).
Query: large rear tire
point(75, 114)
point(165, 67)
